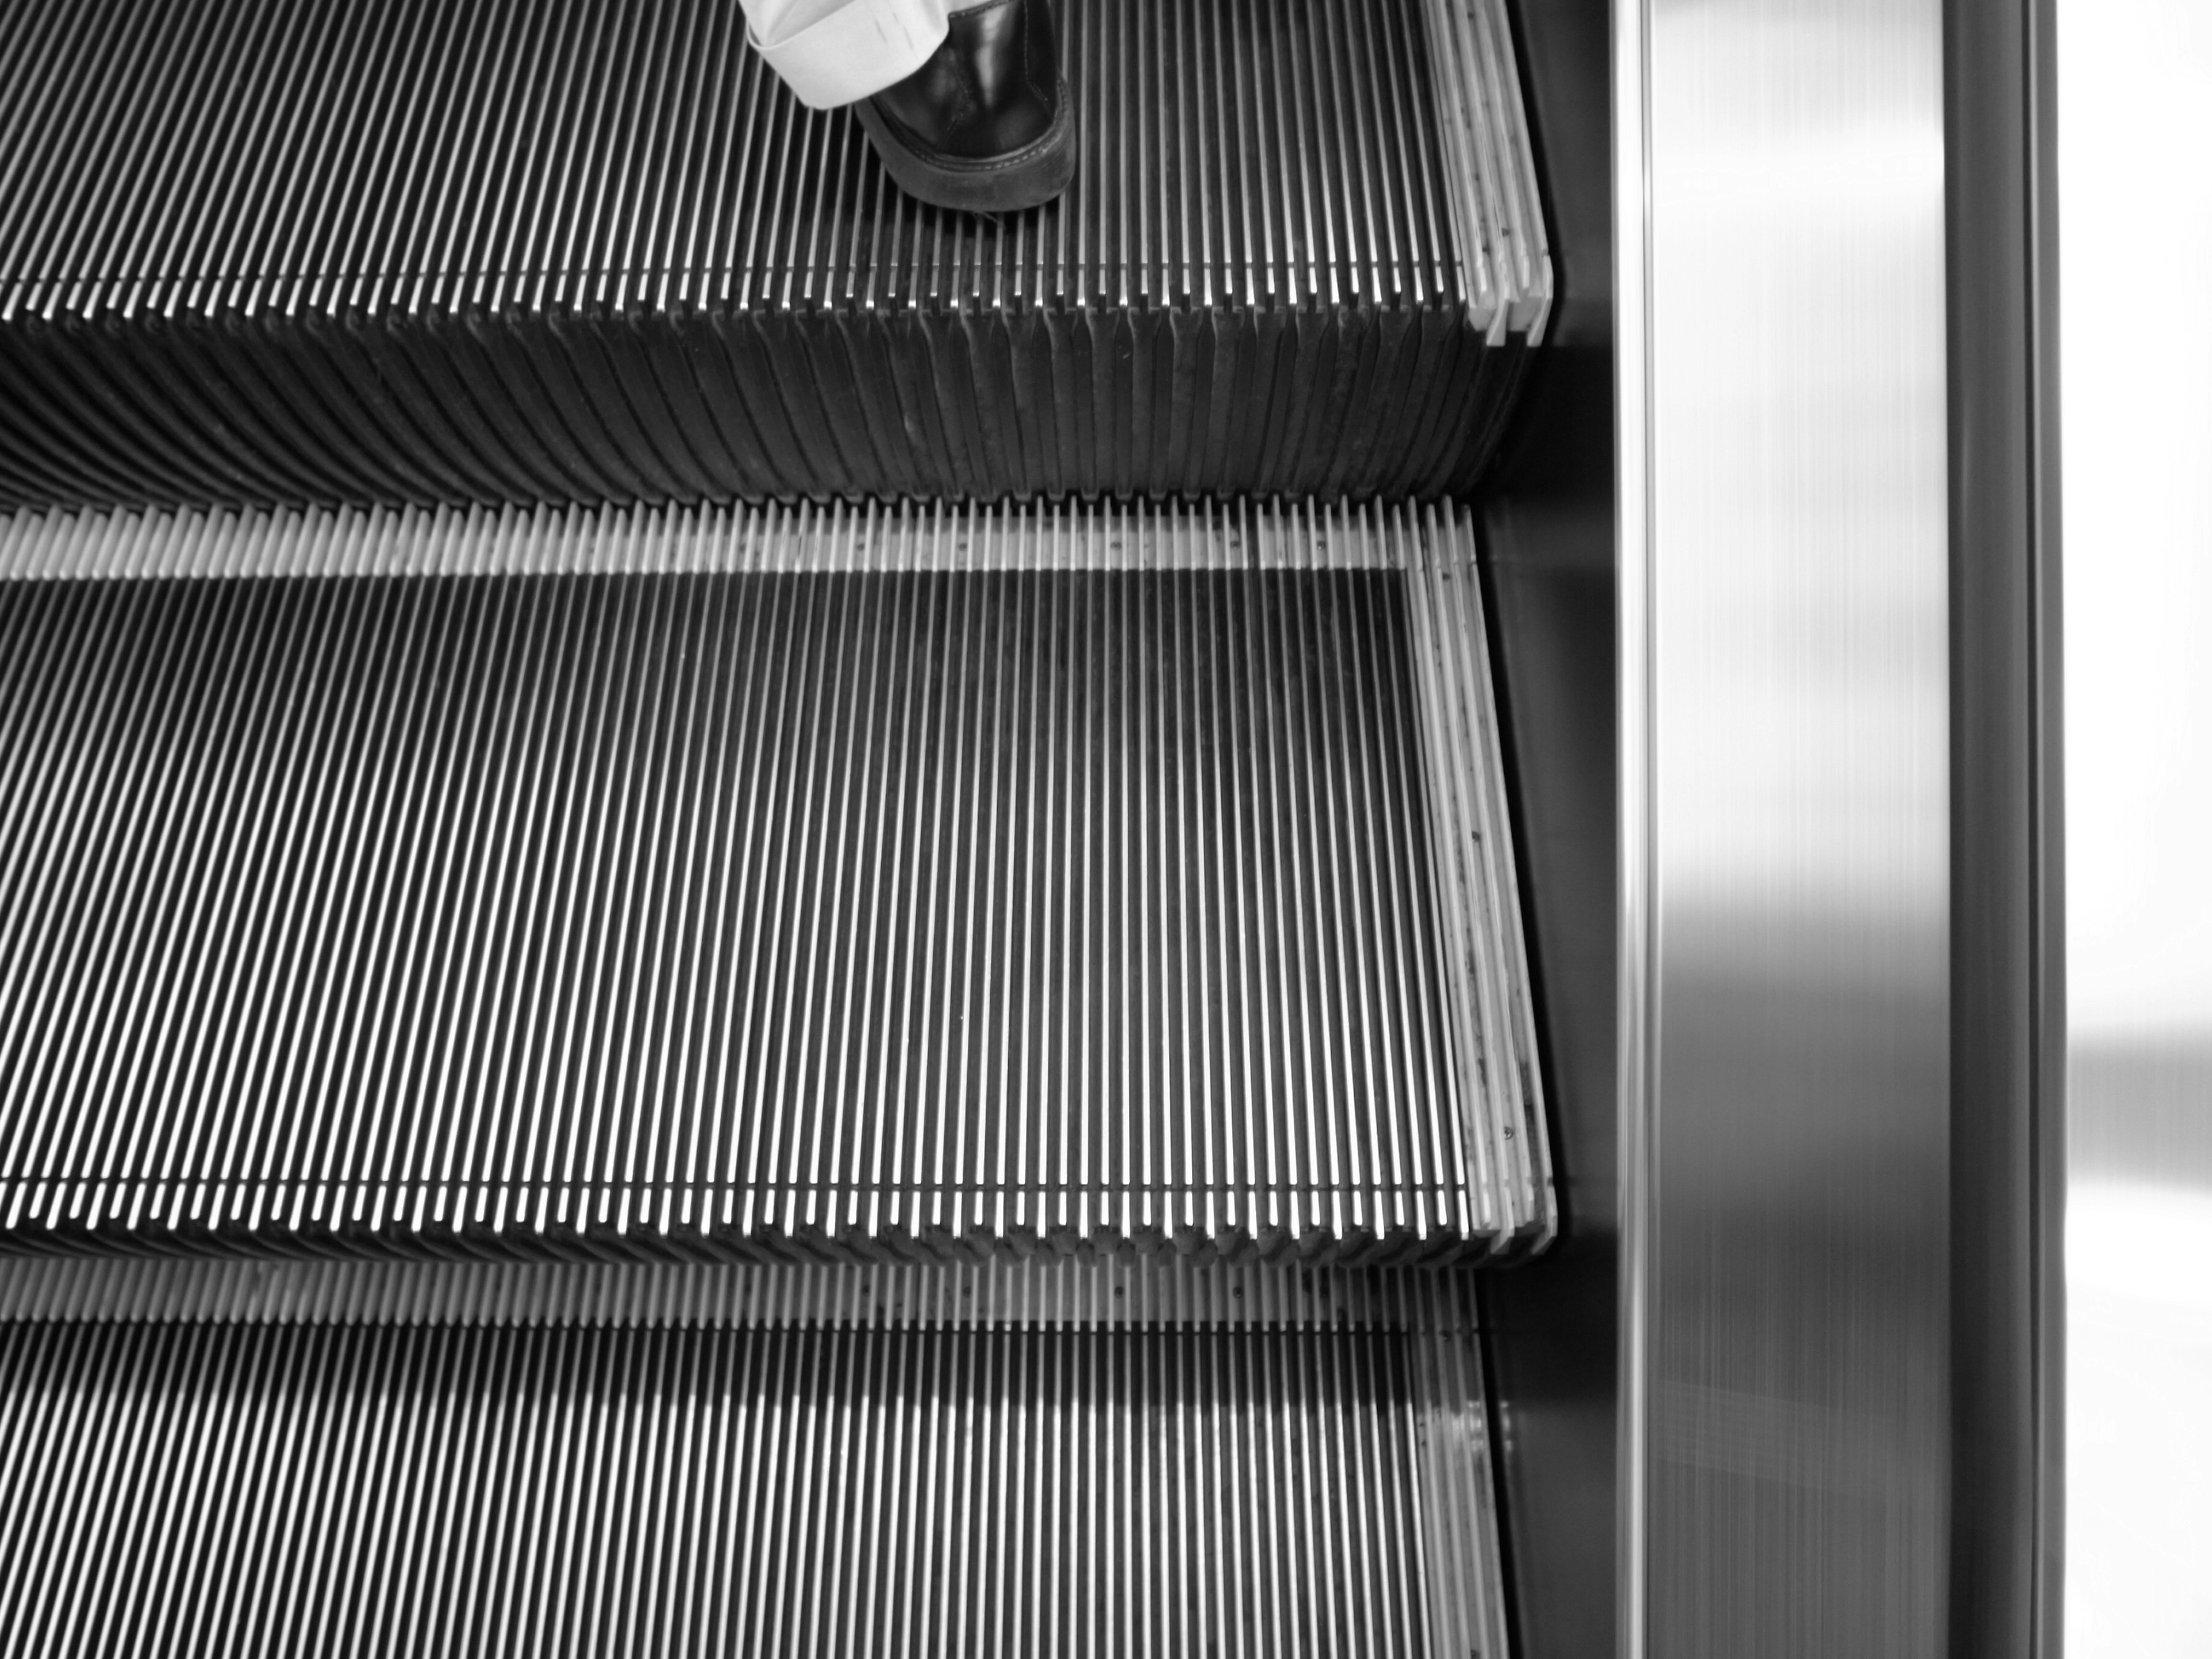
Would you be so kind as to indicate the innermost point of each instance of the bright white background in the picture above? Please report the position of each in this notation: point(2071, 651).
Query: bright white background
point(2135, 141)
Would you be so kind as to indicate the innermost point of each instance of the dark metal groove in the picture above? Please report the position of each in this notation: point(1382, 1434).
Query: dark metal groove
point(401, 251)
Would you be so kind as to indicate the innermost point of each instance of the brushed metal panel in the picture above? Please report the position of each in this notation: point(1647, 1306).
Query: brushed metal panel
point(1786, 846)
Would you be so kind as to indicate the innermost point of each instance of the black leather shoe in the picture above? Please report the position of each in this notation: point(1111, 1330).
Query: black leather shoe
point(985, 123)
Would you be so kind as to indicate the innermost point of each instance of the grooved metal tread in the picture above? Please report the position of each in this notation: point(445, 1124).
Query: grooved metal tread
point(288, 250)
point(267, 1489)
point(727, 882)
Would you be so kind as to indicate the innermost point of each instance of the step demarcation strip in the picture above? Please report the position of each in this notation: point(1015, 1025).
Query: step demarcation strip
point(705, 899)
point(401, 253)
point(906, 536)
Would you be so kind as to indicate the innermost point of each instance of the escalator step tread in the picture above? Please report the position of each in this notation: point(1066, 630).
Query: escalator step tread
point(735, 881)
point(402, 252)
point(335, 1490)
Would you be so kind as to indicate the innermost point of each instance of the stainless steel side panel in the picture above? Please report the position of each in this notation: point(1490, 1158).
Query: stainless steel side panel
point(1785, 856)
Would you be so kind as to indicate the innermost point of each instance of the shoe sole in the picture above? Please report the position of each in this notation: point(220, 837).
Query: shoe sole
point(1027, 178)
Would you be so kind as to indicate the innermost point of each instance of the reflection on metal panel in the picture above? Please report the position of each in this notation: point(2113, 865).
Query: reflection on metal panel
point(1786, 804)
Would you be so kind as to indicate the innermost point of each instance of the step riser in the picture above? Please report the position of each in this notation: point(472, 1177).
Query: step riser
point(737, 406)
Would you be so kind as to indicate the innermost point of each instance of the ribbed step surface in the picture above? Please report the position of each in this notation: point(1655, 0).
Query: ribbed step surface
point(693, 881)
point(312, 1490)
point(288, 250)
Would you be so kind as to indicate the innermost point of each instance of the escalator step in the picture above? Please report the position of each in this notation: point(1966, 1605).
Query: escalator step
point(708, 882)
point(401, 251)
point(271, 1489)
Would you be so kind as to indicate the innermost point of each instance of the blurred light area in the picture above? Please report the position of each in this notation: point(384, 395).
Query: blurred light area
point(2135, 141)
point(2138, 1422)
point(2135, 174)
point(2144, 1245)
